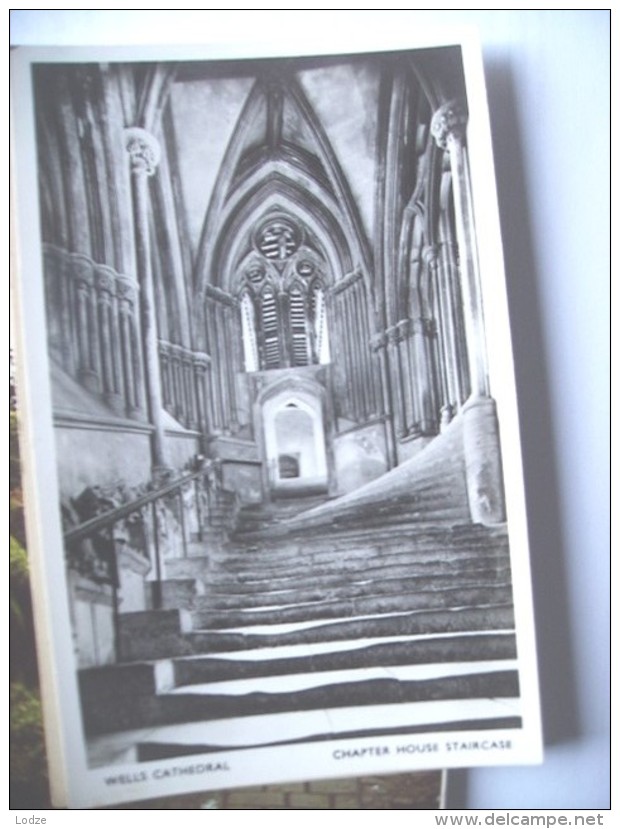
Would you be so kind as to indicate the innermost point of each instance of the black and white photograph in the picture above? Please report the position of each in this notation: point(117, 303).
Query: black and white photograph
point(281, 522)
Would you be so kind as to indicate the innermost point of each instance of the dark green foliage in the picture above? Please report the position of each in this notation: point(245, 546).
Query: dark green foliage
point(27, 750)
point(18, 562)
point(28, 767)
point(16, 505)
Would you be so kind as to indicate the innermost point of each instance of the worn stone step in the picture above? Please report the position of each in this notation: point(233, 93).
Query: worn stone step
point(482, 695)
point(187, 707)
point(365, 522)
point(339, 530)
point(266, 514)
point(462, 647)
point(330, 549)
point(251, 566)
point(294, 554)
point(399, 624)
point(430, 495)
point(332, 587)
point(282, 684)
point(437, 502)
point(255, 579)
point(274, 545)
point(398, 516)
point(358, 606)
point(347, 538)
point(434, 501)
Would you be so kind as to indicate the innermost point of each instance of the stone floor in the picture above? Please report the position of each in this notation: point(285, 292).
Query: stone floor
point(421, 790)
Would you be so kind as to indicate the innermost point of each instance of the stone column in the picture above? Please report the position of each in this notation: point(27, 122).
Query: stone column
point(455, 349)
point(144, 154)
point(126, 293)
point(396, 376)
point(221, 368)
point(105, 280)
point(448, 128)
point(190, 394)
point(201, 365)
point(378, 346)
point(441, 338)
point(166, 382)
point(176, 382)
point(86, 324)
point(480, 426)
point(360, 331)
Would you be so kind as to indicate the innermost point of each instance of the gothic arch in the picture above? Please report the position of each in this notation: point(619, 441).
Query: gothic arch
point(272, 195)
point(417, 292)
point(314, 186)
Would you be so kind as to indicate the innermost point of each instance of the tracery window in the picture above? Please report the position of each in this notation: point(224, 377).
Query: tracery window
point(278, 238)
point(282, 299)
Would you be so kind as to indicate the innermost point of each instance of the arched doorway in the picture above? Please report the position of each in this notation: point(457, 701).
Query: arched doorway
point(294, 444)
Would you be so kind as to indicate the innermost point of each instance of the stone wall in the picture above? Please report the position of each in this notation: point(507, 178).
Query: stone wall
point(421, 790)
point(360, 457)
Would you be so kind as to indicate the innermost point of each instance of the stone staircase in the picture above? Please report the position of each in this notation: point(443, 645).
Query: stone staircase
point(372, 616)
point(255, 517)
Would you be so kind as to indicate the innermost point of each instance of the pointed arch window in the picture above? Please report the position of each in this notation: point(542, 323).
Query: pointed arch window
point(248, 329)
point(284, 329)
point(298, 322)
point(281, 297)
point(270, 333)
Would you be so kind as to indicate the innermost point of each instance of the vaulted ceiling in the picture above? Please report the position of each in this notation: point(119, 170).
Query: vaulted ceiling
point(238, 120)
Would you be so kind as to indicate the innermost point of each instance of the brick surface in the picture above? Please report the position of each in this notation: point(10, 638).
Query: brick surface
point(333, 786)
point(290, 787)
point(309, 801)
point(401, 791)
point(346, 801)
point(241, 799)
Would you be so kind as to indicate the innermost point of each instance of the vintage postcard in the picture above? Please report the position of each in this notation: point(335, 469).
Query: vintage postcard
point(278, 527)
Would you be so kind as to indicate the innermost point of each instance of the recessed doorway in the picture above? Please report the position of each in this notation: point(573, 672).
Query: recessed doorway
point(295, 445)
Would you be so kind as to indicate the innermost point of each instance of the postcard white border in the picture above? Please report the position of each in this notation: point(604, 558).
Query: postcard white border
point(70, 777)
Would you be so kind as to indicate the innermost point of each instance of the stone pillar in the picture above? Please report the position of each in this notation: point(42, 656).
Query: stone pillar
point(166, 381)
point(126, 293)
point(176, 382)
point(201, 364)
point(106, 288)
point(448, 128)
point(439, 333)
point(452, 324)
point(86, 324)
point(190, 394)
point(221, 368)
point(483, 461)
point(480, 427)
point(144, 154)
point(396, 376)
point(360, 332)
point(378, 346)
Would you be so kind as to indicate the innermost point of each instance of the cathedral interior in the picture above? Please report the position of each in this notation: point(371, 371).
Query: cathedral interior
point(277, 447)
